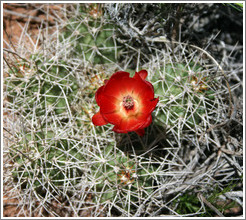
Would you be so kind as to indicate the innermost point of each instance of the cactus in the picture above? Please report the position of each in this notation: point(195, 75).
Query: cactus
point(48, 86)
point(59, 156)
point(117, 177)
point(183, 90)
point(42, 164)
point(91, 37)
point(190, 92)
point(49, 91)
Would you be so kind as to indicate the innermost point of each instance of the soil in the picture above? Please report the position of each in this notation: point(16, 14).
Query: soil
point(16, 16)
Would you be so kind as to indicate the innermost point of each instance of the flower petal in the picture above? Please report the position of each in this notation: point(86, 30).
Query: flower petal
point(109, 104)
point(98, 95)
point(121, 87)
point(114, 88)
point(114, 118)
point(143, 74)
point(119, 75)
point(116, 129)
point(130, 124)
point(148, 106)
point(140, 132)
point(145, 89)
point(98, 119)
point(147, 122)
point(113, 85)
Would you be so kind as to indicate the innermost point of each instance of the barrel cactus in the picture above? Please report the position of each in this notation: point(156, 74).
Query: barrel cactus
point(59, 164)
point(191, 91)
point(90, 36)
point(47, 86)
point(183, 90)
point(121, 181)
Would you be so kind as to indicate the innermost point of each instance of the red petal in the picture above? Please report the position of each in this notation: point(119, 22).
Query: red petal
point(98, 119)
point(119, 75)
point(148, 106)
point(121, 84)
point(140, 132)
point(145, 88)
point(143, 74)
point(129, 86)
point(147, 122)
point(114, 118)
point(114, 88)
point(98, 95)
point(147, 92)
point(121, 87)
point(116, 76)
point(127, 126)
point(108, 104)
point(116, 129)
point(130, 124)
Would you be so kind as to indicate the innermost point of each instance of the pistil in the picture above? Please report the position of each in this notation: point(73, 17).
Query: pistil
point(128, 102)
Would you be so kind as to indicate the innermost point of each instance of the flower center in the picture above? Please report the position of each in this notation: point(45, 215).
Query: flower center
point(128, 102)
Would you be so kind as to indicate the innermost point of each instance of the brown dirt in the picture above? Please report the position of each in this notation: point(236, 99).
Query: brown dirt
point(16, 16)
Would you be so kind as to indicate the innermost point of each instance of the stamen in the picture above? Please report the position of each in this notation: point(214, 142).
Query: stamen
point(128, 102)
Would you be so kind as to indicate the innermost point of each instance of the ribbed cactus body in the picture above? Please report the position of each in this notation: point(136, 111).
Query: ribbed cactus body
point(47, 92)
point(56, 156)
point(43, 163)
point(120, 180)
point(91, 39)
point(50, 87)
point(182, 90)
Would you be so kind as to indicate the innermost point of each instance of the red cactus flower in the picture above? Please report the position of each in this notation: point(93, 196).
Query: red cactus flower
point(126, 102)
